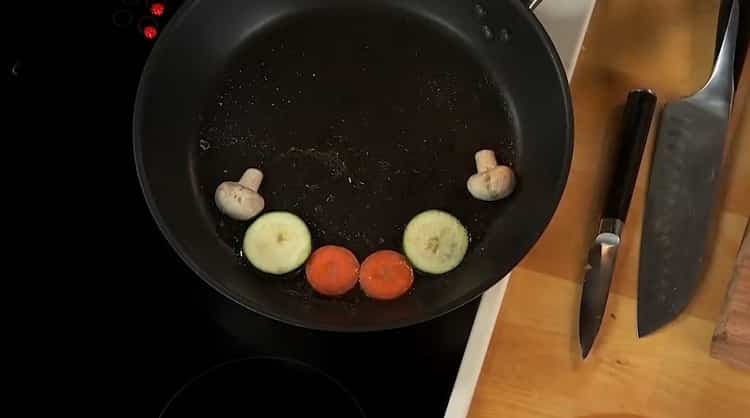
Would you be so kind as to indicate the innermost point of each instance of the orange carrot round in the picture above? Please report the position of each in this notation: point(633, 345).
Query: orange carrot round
point(385, 275)
point(332, 270)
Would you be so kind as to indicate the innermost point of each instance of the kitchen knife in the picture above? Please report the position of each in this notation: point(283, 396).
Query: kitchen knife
point(636, 122)
point(682, 192)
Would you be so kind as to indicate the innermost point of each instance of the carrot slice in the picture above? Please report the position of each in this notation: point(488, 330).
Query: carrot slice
point(332, 270)
point(385, 275)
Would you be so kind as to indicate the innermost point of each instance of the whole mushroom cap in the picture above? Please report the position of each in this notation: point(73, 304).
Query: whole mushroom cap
point(492, 181)
point(493, 184)
point(240, 199)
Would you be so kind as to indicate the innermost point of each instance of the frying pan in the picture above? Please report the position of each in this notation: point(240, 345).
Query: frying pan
point(361, 114)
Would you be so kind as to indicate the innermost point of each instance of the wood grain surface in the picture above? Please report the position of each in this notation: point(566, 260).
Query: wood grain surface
point(731, 341)
point(533, 367)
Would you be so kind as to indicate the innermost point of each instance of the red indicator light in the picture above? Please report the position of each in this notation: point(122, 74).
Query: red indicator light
point(157, 8)
point(150, 32)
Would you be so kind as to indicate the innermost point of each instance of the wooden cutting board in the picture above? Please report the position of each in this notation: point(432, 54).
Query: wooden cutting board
point(533, 367)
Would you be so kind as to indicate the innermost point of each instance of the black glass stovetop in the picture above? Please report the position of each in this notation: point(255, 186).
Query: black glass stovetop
point(177, 326)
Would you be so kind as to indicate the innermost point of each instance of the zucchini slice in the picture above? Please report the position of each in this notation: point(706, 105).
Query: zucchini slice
point(277, 243)
point(435, 242)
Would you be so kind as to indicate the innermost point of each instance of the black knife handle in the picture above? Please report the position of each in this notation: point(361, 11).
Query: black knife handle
point(636, 123)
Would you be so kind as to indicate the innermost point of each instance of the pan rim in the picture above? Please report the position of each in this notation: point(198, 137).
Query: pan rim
point(548, 210)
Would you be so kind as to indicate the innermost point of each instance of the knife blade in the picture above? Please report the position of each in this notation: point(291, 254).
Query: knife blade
point(682, 192)
point(636, 122)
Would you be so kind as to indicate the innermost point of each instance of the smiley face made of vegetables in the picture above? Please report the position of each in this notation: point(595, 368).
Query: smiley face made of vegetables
point(434, 241)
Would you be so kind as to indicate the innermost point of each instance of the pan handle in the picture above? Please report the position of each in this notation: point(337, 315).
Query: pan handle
point(531, 4)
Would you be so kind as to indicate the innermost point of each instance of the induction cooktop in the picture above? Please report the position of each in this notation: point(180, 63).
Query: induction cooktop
point(186, 327)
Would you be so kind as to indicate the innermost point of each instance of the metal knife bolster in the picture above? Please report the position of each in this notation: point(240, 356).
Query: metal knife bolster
point(609, 232)
point(601, 261)
point(603, 252)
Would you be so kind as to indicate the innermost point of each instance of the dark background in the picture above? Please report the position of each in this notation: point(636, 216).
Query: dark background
point(88, 303)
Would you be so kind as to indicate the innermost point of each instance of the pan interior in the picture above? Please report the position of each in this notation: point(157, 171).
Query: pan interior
point(359, 121)
point(361, 115)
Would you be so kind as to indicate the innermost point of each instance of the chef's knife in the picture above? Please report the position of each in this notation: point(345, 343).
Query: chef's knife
point(636, 122)
point(682, 192)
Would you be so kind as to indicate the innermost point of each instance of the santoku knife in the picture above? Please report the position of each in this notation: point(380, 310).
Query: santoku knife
point(637, 116)
point(682, 192)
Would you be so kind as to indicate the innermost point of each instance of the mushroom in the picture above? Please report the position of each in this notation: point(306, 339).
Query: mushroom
point(492, 181)
point(240, 200)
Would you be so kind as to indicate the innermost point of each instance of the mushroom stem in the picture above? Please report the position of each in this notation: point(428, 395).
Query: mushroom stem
point(252, 179)
point(485, 160)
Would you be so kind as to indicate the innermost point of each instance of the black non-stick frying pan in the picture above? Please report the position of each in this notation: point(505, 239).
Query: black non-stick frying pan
point(361, 114)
